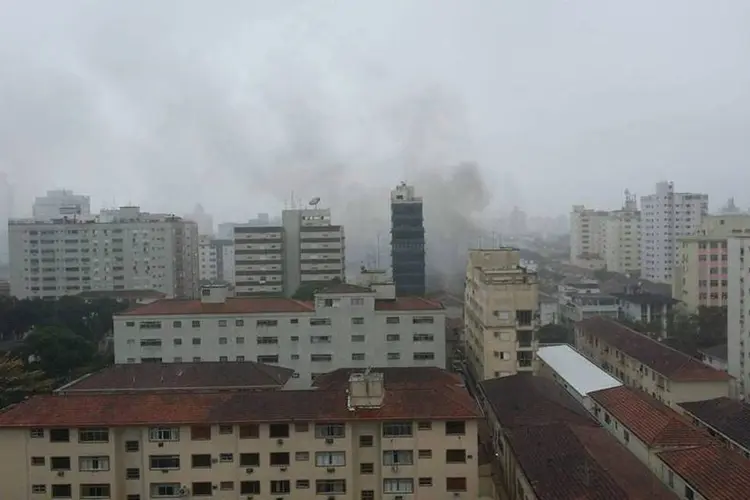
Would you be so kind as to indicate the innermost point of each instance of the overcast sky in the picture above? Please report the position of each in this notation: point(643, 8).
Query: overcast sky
point(238, 103)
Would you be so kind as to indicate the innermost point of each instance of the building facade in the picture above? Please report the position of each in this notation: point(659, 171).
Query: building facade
point(203, 219)
point(365, 438)
point(701, 279)
point(126, 250)
point(738, 323)
point(665, 217)
point(501, 314)
point(216, 260)
point(6, 212)
point(61, 203)
point(407, 241)
point(587, 228)
point(622, 241)
point(346, 326)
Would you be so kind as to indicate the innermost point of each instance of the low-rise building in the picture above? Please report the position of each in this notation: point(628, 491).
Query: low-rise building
point(574, 372)
point(726, 419)
point(346, 326)
point(651, 309)
point(686, 459)
point(579, 307)
point(646, 364)
point(549, 311)
point(548, 447)
point(364, 436)
point(180, 377)
point(715, 356)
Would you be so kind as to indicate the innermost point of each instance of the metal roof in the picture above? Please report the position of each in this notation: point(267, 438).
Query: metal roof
point(580, 373)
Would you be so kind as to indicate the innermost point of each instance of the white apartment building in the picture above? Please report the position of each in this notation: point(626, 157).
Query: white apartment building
point(346, 326)
point(665, 217)
point(132, 250)
point(622, 241)
point(384, 434)
point(738, 314)
point(275, 260)
point(61, 203)
point(501, 313)
point(587, 237)
point(216, 258)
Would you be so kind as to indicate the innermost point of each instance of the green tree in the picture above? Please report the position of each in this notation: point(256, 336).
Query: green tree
point(16, 382)
point(58, 352)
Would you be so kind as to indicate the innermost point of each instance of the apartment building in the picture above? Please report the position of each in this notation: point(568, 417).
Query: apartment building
point(362, 436)
point(622, 240)
point(216, 258)
point(728, 420)
point(646, 364)
point(637, 305)
point(700, 279)
point(689, 461)
point(548, 447)
point(346, 326)
point(587, 237)
point(738, 330)
point(203, 219)
point(665, 217)
point(501, 313)
point(61, 203)
point(123, 249)
point(407, 241)
point(276, 260)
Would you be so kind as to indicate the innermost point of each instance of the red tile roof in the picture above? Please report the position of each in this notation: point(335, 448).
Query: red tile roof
point(713, 471)
point(433, 400)
point(669, 362)
point(727, 416)
point(652, 422)
point(207, 376)
point(262, 305)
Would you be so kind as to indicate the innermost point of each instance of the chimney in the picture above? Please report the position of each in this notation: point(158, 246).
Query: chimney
point(214, 294)
point(366, 390)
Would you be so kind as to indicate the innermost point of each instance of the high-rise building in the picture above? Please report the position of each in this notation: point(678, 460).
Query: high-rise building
point(665, 217)
point(61, 203)
point(738, 320)
point(501, 313)
point(273, 260)
point(123, 249)
point(6, 212)
point(204, 220)
point(216, 258)
point(701, 273)
point(587, 237)
point(622, 238)
point(407, 241)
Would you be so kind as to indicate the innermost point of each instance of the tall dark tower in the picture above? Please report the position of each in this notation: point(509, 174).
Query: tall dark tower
point(407, 242)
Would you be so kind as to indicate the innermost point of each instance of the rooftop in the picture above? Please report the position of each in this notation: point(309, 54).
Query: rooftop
point(714, 471)
point(649, 420)
point(718, 351)
point(345, 288)
point(664, 360)
point(645, 298)
point(580, 373)
point(181, 376)
point(437, 397)
point(260, 305)
point(727, 416)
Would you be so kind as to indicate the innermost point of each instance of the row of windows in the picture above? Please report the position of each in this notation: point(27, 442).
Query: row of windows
point(274, 358)
point(249, 431)
point(223, 323)
point(279, 487)
point(270, 340)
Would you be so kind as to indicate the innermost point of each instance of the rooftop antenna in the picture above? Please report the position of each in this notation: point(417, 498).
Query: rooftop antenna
point(314, 202)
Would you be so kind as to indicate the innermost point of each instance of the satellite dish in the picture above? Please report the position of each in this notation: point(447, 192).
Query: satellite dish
point(314, 202)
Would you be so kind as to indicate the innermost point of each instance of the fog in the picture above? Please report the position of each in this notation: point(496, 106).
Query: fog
point(482, 105)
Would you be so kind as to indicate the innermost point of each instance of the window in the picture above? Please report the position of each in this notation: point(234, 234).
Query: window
point(196, 341)
point(151, 343)
point(281, 487)
point(358, 301)
point(392, 337)
point(302, 484)
point(398, 457)
point(294, 321)
point(425, 453)
point(134, 496)
point(93, 436)
point(423, 337)
point(164, 462)
point(162, 490)
point(200, 432)
point(222, 341)
point(330, 486)
point(59, 435)
point(177, 341)
point(455, 483)
point(321, 357)
point(249, 431)
point(423, 320)
point(398, 485)
point(223, 359)
point(397, 429)
point(176, 324)
point(132, 473)
point(92, 464)
point(689, 493)
point(279, 458)
point(226, 486)
point(38, 488)
point(320, 339)
point(670, 478)
point(330, 459)
point(325, 431)
point(59, 463)
point(226, 429)
point(358, 338)
point(132, 446)
point(267, 340)
point(226, 458)
point(202, 461)
point(239, 340)
point(394, 356)
point(240, 358)
point(366, 468)
point(37, 461)
point(455, 456)
point(358, 321)
point(320, 321)
point(367, 495)
point(249, 459)
point(392, 320)
point(196, 359)
point(626, 435)
point(202, 489)
point(302, 456)
point(164, 434)
point(250, 487)
point(301, 427)
point(62, 491)
point(366, 441)
point(424, 426)
point(222, 323)
point(425, 482)
point(196, 323)
point(423, 356)
point(455, 428)
point(278, 430)
point(358, 356)
point(95, 491)
point(36, 432)
point(239, 322)
point(266, 322)
point(268, 359)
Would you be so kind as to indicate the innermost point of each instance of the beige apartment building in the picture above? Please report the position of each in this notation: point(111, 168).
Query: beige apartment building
point(700, 277)
point(638, 361)
point(622, 241)
point(587, 237)
point(399, 435)
point(501, 313)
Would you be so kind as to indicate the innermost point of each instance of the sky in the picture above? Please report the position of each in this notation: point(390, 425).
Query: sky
point(484, 105)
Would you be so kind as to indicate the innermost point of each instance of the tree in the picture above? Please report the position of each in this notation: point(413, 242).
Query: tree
point(58, 352)
point(307, 291)
point(16, 382)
